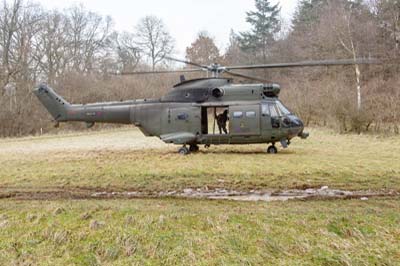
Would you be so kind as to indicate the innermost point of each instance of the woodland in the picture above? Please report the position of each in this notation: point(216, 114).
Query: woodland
point(81, 54)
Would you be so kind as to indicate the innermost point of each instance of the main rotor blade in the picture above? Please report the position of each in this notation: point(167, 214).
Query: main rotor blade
point(309, 64)
point(235, 74)
point(158, 72)
point(184, 62)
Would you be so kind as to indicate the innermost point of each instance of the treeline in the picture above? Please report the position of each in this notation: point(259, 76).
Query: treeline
point(75, 50)
point(358, 98)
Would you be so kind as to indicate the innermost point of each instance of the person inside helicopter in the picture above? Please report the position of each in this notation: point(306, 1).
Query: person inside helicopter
point(221, 121)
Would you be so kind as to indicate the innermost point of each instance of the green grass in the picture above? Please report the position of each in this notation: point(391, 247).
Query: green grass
point(339, 161)
point(188, 232)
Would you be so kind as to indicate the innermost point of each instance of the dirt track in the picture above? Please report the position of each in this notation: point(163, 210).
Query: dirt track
point(324, 193)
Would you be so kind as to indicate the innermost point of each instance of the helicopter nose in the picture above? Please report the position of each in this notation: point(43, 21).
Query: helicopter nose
point(300, 126)
point(296, 122)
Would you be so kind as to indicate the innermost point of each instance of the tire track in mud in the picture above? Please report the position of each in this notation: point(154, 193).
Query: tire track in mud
point(92, 193)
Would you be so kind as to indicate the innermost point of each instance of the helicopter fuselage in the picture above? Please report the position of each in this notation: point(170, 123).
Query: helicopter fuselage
point(188, 113)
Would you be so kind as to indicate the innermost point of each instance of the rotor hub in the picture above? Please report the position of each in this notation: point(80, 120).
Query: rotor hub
point(216, 69)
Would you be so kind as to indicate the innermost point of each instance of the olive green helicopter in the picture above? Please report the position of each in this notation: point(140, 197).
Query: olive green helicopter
point(188, 115)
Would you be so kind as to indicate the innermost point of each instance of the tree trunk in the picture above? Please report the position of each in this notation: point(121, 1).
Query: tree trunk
point(358, 79)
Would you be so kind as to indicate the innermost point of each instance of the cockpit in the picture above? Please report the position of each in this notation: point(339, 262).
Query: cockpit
point(275, 109)
point(281, 116)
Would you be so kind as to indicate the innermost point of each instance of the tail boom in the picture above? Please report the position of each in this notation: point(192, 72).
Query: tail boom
point(63, 111)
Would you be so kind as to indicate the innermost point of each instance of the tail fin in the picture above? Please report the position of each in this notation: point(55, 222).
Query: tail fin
point(54, 103)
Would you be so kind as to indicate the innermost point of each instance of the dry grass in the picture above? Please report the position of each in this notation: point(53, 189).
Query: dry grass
point(124, 159)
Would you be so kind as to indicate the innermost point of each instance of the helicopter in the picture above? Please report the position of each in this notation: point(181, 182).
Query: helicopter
point(187, 114)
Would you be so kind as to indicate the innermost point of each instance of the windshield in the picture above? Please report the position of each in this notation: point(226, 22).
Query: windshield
point(283, 110)
point(273, 111)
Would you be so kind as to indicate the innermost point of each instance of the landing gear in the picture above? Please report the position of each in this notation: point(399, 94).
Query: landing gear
point(194, 148)
point(184, 151)
point(272, 149)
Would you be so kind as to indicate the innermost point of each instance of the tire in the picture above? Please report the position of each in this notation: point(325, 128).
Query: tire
point(183, 151)
point(194, 148)
point(272, 150)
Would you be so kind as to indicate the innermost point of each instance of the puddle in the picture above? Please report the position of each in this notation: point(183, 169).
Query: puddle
point(189, 193)
point(267, 196)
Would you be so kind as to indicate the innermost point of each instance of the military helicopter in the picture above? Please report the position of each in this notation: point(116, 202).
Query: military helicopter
point(187, 114)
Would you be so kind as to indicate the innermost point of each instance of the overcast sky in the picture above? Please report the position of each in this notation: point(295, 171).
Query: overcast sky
point(183, 18)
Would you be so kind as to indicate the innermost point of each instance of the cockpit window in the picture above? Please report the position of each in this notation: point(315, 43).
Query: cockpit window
point(264, 110)
point(282, 108)
point(273, 110)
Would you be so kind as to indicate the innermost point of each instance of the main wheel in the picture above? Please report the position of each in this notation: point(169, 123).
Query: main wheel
point(184, 151)
point(272, 150)
point(194, 148)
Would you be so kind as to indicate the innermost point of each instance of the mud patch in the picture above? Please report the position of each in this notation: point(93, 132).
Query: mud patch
point(268, 196)
point(216, 194)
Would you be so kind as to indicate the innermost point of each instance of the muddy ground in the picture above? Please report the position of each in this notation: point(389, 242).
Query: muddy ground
point(323, 193)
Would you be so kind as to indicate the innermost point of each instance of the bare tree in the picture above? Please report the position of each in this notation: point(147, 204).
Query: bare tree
point(52, 46)
point(30, 25)
point(234, 54)
point(9, 26)
point(153, 39)
point(19, 25)
point(88, 33)
point(388, 13)
point(127, 52)
point(354, 30)
point(203, 50)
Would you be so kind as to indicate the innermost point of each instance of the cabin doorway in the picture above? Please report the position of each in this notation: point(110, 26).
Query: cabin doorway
point(215, 120)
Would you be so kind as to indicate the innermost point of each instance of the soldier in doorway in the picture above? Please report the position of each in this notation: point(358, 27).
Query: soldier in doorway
point(221, 121)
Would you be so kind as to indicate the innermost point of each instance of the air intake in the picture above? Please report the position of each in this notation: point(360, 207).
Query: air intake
point(217, 93)
point(271, 90)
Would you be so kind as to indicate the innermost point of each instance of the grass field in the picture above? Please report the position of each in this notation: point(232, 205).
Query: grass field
point(187, 232)
point(125, 160)
point(170, 231)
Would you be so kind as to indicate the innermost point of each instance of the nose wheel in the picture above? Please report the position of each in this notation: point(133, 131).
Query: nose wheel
point(272, 150)
point(185, 150)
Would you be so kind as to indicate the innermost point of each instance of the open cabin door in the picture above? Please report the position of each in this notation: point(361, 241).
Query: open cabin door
point(244, 120)
point(209, 123)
